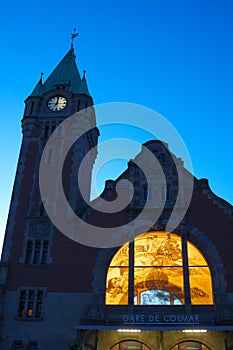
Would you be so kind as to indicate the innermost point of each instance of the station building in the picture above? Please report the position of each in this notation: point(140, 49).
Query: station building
point(163, 288)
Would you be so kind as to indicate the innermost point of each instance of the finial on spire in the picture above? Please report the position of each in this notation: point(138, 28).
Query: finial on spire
point(84, 74)
point(41, 75)
point(73, 36)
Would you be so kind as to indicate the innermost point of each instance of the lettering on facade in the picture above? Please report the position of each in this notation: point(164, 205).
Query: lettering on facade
point(160, 319)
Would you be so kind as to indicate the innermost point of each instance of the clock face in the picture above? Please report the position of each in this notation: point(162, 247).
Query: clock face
point(57, 103)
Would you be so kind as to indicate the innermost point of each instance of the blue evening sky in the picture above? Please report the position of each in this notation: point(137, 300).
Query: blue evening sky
point(174, 56)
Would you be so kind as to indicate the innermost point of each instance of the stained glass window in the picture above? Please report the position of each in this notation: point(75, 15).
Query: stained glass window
point(117, 277)
point(199, 277)
point(158, 272)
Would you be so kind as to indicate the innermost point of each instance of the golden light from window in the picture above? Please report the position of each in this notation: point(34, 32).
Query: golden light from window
point(158, 249)
point(158, 272)
point(29, 312)
point(199, 277)
point(195, 257)
point(117, 277)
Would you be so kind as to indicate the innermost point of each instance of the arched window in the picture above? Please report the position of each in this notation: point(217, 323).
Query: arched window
point(130, 344)
point(190, 345)
point(153, 270)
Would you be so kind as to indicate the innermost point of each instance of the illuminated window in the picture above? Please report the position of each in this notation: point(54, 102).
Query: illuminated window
point(30, 302)
point(117, 277)
point(159, 270)
point(199, 277)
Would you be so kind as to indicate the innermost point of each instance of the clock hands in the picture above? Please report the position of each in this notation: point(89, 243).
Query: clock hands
point(56, 106)
point(57, 103)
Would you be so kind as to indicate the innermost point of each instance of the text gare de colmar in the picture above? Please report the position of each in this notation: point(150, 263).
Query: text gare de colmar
point(160, 319)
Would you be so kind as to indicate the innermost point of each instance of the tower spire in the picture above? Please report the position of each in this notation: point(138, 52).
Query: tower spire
point(41, 76)
point(66, 75)
point(73, 36)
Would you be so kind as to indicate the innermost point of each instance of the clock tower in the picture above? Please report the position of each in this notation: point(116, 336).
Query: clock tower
point(29, 242)
point(64, 93)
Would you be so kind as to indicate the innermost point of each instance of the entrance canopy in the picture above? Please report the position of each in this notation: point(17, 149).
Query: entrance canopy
point(138, 328)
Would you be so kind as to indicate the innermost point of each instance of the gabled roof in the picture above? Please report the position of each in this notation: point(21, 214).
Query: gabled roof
point(66, 73)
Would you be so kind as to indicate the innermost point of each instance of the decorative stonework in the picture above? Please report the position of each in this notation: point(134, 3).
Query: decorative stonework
point(94, 311)
point(213, 258)
point(222, 204)
point(224, 313)
point(39, 229)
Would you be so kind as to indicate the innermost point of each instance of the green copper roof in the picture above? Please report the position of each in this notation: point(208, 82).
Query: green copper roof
point(83, 86)
point(38, 90)
point(67, 73)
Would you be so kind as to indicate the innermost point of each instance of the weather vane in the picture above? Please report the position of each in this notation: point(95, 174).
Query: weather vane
point(73, 36)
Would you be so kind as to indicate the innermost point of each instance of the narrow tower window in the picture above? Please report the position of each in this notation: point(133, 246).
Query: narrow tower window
point(46, 131)
point(78, 107)
point(32, 107)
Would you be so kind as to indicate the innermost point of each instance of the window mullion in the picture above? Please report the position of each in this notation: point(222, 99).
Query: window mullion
point(41, 251)
point(186, 270)
point(33, 251)
point(35, 302)
point(131, 274)
point(26, 303)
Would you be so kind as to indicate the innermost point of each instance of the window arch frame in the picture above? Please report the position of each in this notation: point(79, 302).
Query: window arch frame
point(129, 340)
point(195, 236)
point(188, 340)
